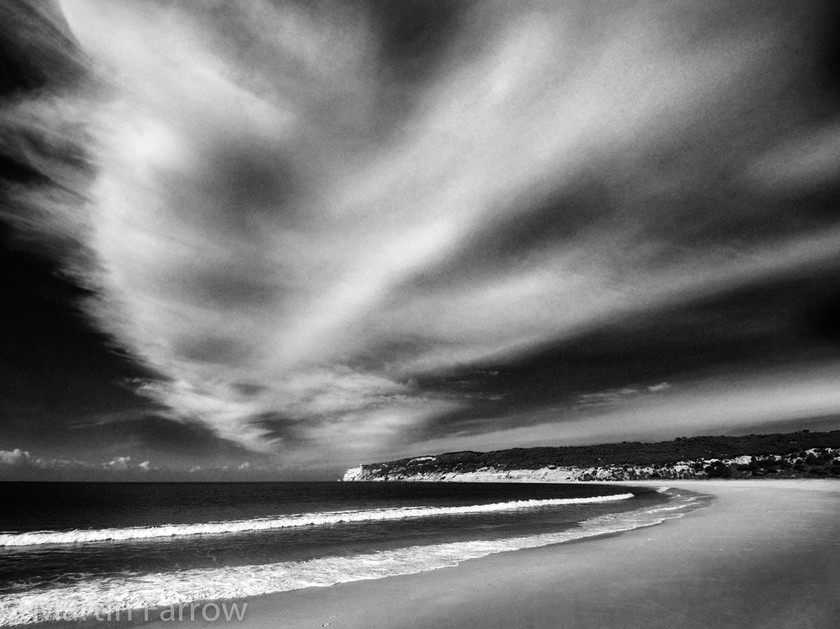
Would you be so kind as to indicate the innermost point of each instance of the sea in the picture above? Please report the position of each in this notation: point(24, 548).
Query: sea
point(70, 551)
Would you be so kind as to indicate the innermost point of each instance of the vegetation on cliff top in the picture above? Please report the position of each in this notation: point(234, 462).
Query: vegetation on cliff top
point(798, 461)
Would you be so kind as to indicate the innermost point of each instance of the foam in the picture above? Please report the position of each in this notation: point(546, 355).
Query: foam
point(161, 590)
point(39, 538)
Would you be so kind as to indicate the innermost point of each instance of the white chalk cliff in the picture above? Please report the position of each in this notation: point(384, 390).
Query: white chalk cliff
point(426, 469)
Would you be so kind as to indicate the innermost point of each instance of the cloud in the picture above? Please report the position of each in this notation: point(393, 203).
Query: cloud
point(124, 464)
point(613, 396)
point(22, 459)
point(293, 238)
point(20, 464)
point(802, 162)
point(121, 463)
point(14, 458)
point(773, 399)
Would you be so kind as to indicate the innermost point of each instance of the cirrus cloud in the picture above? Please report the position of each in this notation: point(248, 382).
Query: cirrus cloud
point(294, 236)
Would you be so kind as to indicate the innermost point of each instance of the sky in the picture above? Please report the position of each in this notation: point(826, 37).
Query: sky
point(273, 240)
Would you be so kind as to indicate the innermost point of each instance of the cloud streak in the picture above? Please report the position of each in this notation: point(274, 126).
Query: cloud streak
point(290, 230)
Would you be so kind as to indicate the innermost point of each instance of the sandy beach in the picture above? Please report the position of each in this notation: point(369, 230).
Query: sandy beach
point(764, 554)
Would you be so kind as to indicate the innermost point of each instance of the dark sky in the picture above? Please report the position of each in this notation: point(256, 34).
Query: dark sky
point(274, 240)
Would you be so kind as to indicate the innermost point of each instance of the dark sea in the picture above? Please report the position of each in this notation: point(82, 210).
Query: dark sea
point(71, 550)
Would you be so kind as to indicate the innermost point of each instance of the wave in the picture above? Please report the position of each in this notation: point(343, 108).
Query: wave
point(161, 590)
point(82, 536)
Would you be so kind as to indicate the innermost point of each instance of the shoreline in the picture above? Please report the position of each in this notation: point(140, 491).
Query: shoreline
point(172, 598)
point(760, 553)
point(763, 553)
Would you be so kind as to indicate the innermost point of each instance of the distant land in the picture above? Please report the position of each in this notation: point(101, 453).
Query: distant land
point(801, 454)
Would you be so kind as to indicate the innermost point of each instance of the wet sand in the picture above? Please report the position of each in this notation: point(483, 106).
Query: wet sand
point(763, 554)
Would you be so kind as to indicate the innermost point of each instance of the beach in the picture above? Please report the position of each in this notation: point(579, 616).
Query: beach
point(763, 554)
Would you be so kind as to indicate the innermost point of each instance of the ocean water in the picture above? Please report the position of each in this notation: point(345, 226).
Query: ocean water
point(69, 550)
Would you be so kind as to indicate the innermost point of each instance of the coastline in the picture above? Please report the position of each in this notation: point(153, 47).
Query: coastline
point(764, 553)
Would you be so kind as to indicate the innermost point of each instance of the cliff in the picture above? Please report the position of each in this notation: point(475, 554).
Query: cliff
point(793, 455)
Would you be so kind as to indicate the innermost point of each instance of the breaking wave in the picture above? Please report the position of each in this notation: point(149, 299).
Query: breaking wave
point(81, 536)
point(163, 589)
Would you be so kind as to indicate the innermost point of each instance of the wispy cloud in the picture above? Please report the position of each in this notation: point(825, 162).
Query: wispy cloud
point(612, 396)
point(291, 235)
point(774, 400)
